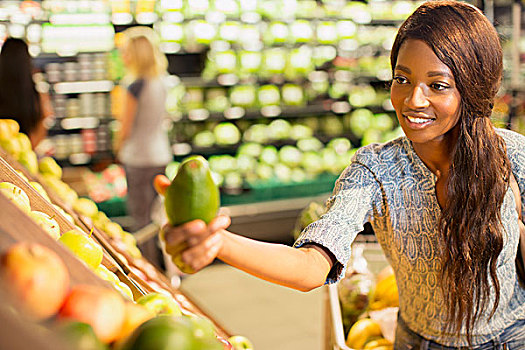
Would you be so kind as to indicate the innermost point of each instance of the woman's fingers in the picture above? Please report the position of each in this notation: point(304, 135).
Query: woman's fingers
point(197, 242)
point(201, 255)
point(177, 234)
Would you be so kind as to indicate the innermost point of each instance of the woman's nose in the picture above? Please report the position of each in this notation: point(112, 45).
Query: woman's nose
point(417, 98)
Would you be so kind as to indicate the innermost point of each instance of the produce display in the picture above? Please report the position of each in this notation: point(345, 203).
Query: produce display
point(369, 304)
point(105, 301)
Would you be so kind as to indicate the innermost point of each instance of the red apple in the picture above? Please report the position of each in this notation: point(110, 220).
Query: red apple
point(100, 307)
point(37, 276)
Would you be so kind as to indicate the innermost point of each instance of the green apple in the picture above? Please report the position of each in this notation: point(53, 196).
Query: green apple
point(11, 146)
point(123, 289)
point(16, 195)
point(113, 230)
point(66, 215)
point(48, 223)
point(48, 165)
point(104, 273)
point(28, 159)
point(38, 187)
point(160, 304)
point(83, 247)
point(100, 220)
point(240, 342)
point(85, 207)
point(24, 142)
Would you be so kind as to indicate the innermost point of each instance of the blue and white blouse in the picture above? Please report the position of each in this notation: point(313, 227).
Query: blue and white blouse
point(389, 186)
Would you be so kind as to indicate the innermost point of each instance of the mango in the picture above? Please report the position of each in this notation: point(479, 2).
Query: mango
point(191, 195)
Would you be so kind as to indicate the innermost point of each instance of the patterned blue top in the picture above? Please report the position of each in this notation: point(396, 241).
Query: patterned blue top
point(389, 186)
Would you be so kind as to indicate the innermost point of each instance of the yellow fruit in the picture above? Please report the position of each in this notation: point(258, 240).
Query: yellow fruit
point(385, 294)
point(375, 344)
point(361, 332)
point(85, 207)
point(16, 195)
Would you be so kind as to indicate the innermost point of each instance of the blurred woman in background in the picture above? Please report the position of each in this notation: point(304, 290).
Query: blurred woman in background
point(19, 98)
point(143, 144)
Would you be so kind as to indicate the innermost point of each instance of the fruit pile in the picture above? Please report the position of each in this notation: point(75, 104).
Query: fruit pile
point(112, 313)
point(37, 279)
point(367, 304)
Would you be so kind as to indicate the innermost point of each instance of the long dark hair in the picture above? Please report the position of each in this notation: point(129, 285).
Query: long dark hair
point(19, 99)
point(470, 224)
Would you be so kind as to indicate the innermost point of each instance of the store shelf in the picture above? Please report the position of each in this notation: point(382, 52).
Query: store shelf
point(79, 87)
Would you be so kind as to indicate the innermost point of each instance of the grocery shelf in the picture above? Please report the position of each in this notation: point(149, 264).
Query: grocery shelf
point(79, 87)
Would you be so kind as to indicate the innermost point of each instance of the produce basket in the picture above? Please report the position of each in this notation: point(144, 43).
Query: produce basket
point(335, 335)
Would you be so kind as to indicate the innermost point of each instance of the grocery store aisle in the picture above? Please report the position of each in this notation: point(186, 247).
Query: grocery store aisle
point(271, 316)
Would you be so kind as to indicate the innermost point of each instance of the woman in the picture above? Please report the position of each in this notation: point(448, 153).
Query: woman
point(143, 142)
point(19, 98)
point(438, 199)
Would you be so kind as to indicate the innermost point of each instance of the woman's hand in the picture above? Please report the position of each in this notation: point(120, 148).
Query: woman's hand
point(194, 244)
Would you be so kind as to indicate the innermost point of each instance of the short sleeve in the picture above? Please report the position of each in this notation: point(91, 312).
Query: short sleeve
point(136, 87)
point(349, 208)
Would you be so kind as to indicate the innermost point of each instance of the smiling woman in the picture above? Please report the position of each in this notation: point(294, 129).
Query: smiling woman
point(438, 198)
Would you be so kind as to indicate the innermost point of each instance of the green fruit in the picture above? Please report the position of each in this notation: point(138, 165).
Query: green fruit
point(28, 159)
point(47, 223)
point(85, 207)
point(240, 342)
point(38, 187)
point(83, 247)
point(16, 195)
point(80, 336)
point(160, 304)
point(192, 194)
point(106, 275)
point(166, 332)
point(48, 165)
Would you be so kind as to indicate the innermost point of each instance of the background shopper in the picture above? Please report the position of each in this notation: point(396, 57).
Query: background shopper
point(439, 200)
point(143, 144)
point(19, 98)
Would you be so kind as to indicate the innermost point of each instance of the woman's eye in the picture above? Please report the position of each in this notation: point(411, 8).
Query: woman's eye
point(439, 86)
point(400, 80)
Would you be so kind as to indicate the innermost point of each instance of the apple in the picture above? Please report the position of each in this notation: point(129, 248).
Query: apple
point(240, 342)
point(49, 224)
point(38, 187)
point(28, 159)
point(160, 304)
point(11, 146)
point(48, 165)
point(113, 230)
point(83, 247)
point(104, 273)
point(123, 289)
point(85, 207)
point(37, 276)
point(79, 336)
point(8, 128)
point(24, 142)
point(63, 212)
point(16, 195)
point(97, 306)
point(135, 315)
